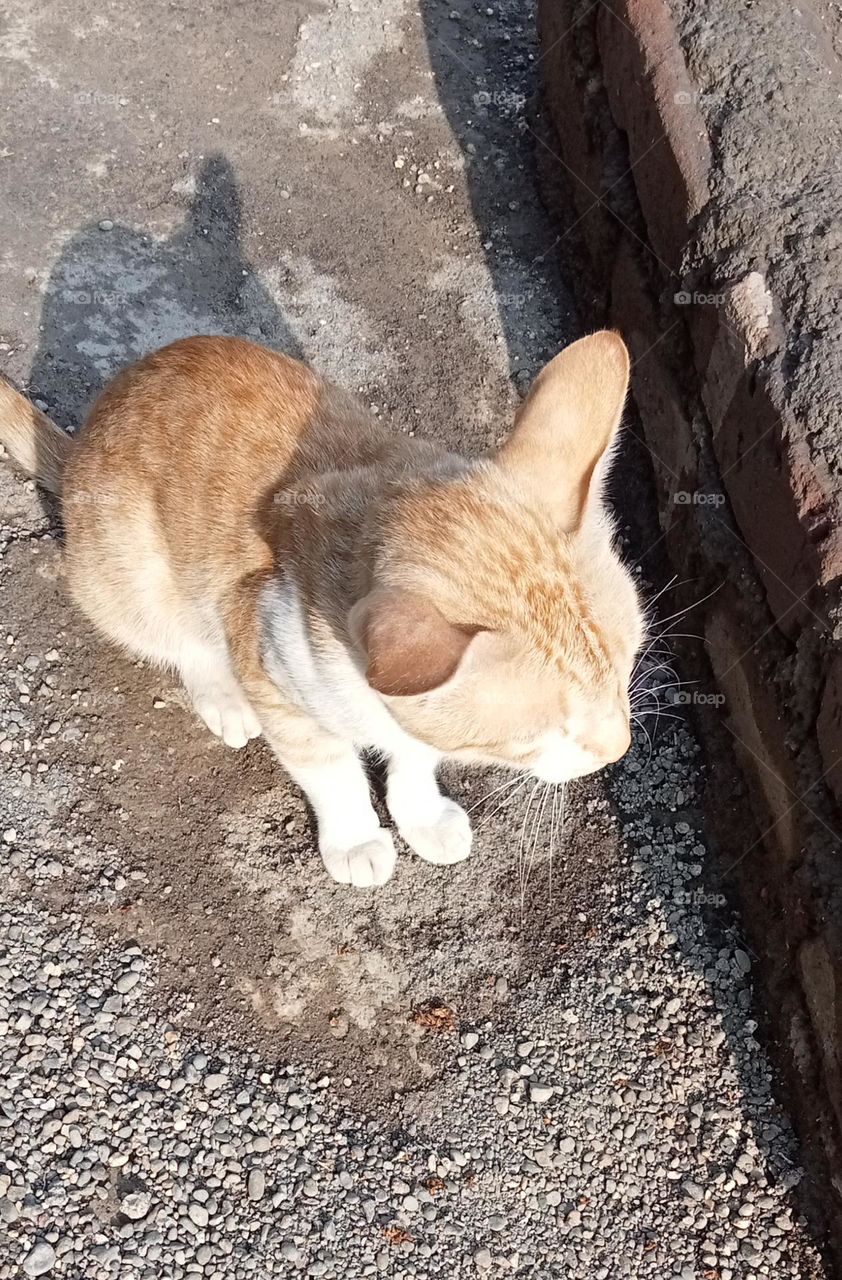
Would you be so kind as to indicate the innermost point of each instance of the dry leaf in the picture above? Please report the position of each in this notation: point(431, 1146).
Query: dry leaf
point(434, 1017)
point(396, 1235)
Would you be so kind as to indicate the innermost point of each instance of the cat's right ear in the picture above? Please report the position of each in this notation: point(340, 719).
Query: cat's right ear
point(567, 424)
point(409, 645)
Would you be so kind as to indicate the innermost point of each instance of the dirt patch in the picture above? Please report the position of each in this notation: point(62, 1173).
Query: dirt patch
point(207, 855)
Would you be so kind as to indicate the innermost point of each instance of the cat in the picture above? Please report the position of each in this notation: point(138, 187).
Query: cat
point(337, 587)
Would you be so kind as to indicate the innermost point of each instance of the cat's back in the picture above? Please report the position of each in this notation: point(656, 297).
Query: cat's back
point(211, 424)
point(198, 398)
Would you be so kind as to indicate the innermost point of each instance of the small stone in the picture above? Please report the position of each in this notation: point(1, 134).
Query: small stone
point(482, 1259)
point(197, 1213)
point(339, 1024)
point(8, 1211)
point(216, 1080)
point(540, 1092)
point(256, 1184)
point(40, 1259)
point(136, 1205)
point(127, 982)
point(106, 224)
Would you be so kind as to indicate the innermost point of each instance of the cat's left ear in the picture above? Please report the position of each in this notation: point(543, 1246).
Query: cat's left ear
point(567, 424)
point(409, 646)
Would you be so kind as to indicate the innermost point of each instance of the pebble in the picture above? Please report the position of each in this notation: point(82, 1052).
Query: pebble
point(256, 1184)
point(136, 1205)
point(40, 1259)
point(198, 1214)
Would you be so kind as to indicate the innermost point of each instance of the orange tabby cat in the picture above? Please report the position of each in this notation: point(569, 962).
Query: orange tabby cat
point(335, 587)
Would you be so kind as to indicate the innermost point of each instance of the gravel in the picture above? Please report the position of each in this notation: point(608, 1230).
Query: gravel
point(621, 1122)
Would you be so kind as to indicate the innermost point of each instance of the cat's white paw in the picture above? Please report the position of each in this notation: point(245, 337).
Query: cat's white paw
point(445, 841)
point(363, 865)
point(227, 714)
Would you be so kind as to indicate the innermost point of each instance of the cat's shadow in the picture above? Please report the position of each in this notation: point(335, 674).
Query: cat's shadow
point(117, 293)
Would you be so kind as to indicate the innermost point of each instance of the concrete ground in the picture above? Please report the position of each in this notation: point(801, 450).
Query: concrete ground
point(214, 1061)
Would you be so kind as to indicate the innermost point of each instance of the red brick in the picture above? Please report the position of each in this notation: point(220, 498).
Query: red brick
point(783, 501)
point(820, 980)
point(758, 729)
point(653, 100)
point(829, 726)
point(667, 430)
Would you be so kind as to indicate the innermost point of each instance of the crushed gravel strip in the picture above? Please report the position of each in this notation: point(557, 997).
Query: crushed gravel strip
point(625, 1126)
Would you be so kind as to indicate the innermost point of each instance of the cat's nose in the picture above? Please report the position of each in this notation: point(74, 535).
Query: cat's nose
point(613, 740)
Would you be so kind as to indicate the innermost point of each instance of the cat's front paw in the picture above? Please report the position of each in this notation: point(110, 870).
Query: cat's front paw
point(363, 865)
point(447, 840)
point(227, 714)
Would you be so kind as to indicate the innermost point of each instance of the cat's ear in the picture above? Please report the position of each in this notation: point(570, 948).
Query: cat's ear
point(566, 425)
point(409, 646)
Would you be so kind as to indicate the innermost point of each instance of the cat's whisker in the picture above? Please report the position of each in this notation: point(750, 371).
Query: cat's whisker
point(649, 694)
point(521, 859)
point(653, 658)
point(553, 820)
point(664, 658)
point(523, 838)
point(642, 675)
point(641, 725)
point(507, 799)
point(672, 582)
point(536, 831)
point(562, 815)
point(679, 635)
point(489, 795)
point(668, 684)
point(659, 711)
point(682, 613)
point(641, 695)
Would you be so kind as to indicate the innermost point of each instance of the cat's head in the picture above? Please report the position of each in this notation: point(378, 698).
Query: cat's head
point(502, 626)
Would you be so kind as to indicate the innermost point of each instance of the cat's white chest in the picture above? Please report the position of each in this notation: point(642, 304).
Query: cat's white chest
point(327, 682)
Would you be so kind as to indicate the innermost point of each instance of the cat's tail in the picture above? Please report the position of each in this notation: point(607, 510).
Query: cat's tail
point(35, 443)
